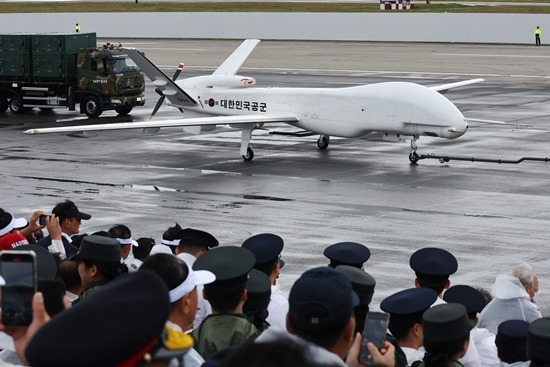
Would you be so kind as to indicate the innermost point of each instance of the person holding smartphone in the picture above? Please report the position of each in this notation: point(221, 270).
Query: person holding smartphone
point(321, 321)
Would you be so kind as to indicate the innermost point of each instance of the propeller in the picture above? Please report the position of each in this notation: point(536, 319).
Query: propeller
point(162, 96)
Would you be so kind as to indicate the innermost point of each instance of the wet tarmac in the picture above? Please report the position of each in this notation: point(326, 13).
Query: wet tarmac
point(491, 216)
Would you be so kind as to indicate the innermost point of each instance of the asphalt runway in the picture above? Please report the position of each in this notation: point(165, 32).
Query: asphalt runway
point(490, 216)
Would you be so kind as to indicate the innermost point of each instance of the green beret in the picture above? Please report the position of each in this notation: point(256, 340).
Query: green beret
point(446, 322)
point(98, 248)
point(362, 282)
point(538, 338)
point(227, 263)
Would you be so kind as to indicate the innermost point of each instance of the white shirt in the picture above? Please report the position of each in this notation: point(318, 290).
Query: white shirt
point(277, 308)
point(132, 263)
point(413, 355)
point(486, 347)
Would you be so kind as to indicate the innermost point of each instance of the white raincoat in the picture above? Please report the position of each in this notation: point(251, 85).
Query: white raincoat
point(510, 302)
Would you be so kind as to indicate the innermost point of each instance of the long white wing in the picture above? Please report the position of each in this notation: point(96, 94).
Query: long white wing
point(445, 87)
point(171, 90)
point(234, 62)
point(199, 121)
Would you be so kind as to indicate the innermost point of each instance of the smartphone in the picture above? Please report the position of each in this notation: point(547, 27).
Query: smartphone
point(18, 268)
point(376, 326)
point(42, 219)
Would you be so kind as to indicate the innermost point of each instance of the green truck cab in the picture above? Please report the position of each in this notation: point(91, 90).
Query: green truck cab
point(65, 69)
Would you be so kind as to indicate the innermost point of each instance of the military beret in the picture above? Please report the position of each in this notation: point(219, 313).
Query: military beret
point(111, 312)
point(347, 253)
point(446, 322)
point(258, 290)
point(200, 238)
point(227, 262)
point(46, 266)
point(538, 338)
point(409, 302)
point(362, 283)
point(98, 248)
point(512, 334)
point(433, 261)
point(468, 296)
point(266, 247)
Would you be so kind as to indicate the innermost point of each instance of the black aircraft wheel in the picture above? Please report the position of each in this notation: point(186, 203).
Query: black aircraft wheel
point(16, 105)
point(92, 108)
point(123, 110)
point(249, 154)
point(323, 142)
point(413, 157)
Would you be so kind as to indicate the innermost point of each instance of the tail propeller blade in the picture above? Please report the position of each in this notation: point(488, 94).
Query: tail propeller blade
point(162, 96)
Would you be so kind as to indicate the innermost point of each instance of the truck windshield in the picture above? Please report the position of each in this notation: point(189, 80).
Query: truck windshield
point(122, 65)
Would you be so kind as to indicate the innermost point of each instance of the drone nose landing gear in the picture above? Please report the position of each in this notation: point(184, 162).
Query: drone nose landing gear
point(413, 156)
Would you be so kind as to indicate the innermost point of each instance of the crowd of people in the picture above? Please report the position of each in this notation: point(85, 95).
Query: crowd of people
point(106, 299)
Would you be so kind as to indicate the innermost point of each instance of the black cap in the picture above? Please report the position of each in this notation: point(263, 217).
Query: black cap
point(98, 248)
point(266, 247)
point(512, 335)
point(321, 298)
point(362, 282)
point(46, 266)
point(433, 261)
point(538, 339)
point(111, 313)
point(227, 263)
point(258, 290)
point(70, 212)
point(201, 238)
point(347, 253)
point(446, 322)
point(468, 296)
point(409, 302)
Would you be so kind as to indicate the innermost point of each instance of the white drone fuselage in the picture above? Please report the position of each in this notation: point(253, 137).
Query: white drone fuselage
point(399, 108)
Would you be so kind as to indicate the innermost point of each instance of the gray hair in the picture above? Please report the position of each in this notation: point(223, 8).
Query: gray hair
point(525, 274)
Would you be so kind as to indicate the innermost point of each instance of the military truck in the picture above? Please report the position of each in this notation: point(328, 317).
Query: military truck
point(64, 69)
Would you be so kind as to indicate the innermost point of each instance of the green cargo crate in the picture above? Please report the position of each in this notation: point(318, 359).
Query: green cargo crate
point(56, 43)
point(58, 66)
point(13, 43)
point(14, 65)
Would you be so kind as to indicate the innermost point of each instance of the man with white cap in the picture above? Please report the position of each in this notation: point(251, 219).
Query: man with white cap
point(190, 245)
point(182, 283)
point(9, 237)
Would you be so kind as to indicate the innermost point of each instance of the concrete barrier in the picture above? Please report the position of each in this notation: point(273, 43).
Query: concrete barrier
point(384, 26)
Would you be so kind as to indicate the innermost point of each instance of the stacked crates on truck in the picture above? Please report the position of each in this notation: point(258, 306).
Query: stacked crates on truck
point(38, 70)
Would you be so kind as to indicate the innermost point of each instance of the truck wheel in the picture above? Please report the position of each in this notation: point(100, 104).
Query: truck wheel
point(3, 104)
point(16, 105)
point(92, 108)
point(123, 110)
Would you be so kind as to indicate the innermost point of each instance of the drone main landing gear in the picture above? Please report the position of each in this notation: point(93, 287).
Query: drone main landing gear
point(246, 150)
